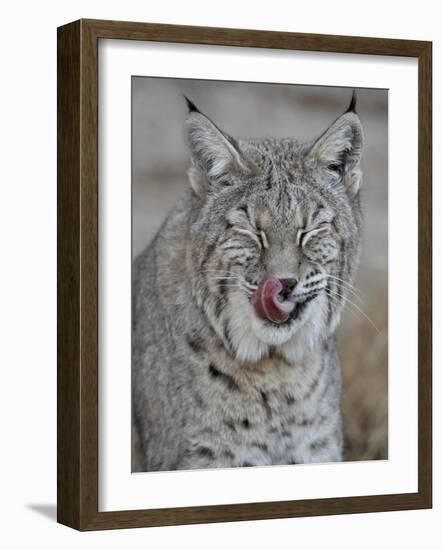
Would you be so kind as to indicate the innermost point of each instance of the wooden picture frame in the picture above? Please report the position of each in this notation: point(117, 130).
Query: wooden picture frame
point(77, 457)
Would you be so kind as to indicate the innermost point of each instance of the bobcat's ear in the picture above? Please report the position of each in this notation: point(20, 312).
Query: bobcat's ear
point(216, 156)
point(339, 149)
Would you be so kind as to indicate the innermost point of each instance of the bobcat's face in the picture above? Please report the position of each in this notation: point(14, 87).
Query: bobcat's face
point(275, 233)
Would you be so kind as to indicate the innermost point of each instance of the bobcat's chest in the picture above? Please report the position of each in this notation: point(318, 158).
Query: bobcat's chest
point(261, 413)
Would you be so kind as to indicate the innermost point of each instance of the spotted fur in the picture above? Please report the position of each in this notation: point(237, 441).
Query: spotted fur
point(214, 385)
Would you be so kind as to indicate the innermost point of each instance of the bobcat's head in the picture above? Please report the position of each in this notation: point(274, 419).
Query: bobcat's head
point(275, 233)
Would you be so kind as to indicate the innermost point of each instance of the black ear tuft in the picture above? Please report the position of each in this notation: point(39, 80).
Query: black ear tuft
point(191, 106)
point(353, 104)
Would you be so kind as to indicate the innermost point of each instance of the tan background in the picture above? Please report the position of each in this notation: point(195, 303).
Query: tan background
point(249, 110)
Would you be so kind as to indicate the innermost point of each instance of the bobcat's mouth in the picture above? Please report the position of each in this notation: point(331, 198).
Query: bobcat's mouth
point(270, 304)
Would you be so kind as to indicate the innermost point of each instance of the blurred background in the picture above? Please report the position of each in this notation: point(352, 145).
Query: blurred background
point(253, 110)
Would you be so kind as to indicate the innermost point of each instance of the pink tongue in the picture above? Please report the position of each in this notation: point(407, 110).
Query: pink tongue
point(266, 303)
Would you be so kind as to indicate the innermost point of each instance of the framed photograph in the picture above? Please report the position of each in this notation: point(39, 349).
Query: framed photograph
point(244, 275)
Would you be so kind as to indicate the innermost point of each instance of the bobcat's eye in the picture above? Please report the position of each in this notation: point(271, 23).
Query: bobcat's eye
point(304, 235)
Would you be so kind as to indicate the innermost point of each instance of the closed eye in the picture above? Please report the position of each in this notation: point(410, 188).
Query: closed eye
point(304, 235)
point(240, 221)
point(248, 233)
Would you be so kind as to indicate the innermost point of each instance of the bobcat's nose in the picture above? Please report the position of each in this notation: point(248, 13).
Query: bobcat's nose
point(288, 286)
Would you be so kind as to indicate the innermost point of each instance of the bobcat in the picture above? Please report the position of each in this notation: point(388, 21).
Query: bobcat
point(237, 300)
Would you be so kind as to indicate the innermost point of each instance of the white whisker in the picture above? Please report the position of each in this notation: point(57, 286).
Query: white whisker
point(356, 306)
point(350, 287)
